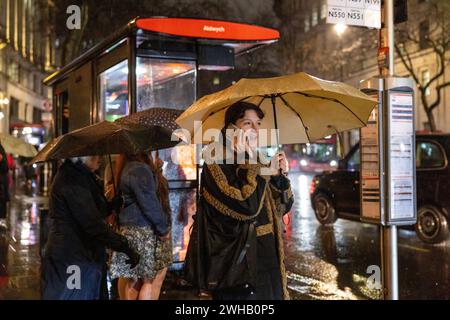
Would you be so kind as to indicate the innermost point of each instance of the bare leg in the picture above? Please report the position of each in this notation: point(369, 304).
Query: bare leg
point(157, 283)
point(146, 290)
point(129, 289)
point(121, 285)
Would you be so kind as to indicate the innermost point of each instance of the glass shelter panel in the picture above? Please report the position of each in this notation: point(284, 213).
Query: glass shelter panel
point(171, 83)
point(113, 99)
point(165, 83)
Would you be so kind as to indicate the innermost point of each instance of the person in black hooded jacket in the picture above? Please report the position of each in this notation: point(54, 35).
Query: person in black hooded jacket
point(74, 262)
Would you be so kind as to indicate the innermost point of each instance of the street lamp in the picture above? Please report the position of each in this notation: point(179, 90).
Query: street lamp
point(340, 28)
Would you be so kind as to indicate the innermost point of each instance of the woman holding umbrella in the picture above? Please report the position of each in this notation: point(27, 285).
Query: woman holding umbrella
point(74, 263)
point(236, 247)
point(236, 244)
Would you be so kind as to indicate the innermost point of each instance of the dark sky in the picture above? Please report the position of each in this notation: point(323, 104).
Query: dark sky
point(251, 8)
point(243, 10)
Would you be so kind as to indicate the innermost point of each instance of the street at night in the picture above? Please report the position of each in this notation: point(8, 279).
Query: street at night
point(233, 157)
point(322, 262)
point(331, 262)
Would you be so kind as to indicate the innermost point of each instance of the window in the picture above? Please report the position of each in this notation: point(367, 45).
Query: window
point(165, 83)
point(307, 24)
point(323, 10)
point(168, 83)
point(425, 75)
point(315, 16)
point(424, 33)
point(36, 84)
point(13, 109)
point(37, 115)
point(13, 71)
point(429, 155)
point(113, 102)
point(12, 22)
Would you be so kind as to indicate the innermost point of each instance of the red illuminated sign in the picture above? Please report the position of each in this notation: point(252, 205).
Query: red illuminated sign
point(208, 29)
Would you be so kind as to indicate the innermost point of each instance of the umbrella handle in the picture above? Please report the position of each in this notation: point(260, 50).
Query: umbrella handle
point(112, 175)
point(273, 97)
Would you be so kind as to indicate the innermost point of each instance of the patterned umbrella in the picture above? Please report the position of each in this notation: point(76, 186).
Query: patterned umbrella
point(154, 117)
point(106, 138)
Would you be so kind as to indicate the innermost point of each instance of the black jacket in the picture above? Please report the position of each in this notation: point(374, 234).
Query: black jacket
point(237, 228)
point(78, 208)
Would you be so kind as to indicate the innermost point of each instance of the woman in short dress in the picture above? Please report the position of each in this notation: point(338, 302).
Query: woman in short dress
point(145, 222)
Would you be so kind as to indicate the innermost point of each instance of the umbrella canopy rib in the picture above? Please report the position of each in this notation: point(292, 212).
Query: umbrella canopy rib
point(260, 103)
point(240, 100)
point(297, 113)
point(330, 99)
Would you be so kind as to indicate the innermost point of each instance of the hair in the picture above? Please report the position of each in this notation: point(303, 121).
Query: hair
point(237, 111)
point(162, 187)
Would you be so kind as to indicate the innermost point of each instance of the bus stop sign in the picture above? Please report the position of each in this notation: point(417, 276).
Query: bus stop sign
point(362, 13)
point(387, 151)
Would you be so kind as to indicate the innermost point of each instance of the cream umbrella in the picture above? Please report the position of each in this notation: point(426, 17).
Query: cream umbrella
point(17, 146)
point(304, 108)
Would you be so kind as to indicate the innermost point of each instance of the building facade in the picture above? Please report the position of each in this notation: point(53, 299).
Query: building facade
point(26, 55)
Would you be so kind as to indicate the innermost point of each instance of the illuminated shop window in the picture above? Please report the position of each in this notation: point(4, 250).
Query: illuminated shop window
point(114, 92)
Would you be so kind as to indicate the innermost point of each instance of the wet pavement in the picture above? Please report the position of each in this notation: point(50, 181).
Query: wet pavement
point(331, 262)
point(321, 262)
point(19, 250)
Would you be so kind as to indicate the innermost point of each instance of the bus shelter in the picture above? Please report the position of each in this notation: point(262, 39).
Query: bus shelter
point(152, 62)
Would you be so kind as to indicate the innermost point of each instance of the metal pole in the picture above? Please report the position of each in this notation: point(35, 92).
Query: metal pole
point(390, 34)
point(389, 262)
point(389, 259)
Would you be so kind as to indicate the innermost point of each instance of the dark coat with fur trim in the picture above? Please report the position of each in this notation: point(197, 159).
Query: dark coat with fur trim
point(236, 241)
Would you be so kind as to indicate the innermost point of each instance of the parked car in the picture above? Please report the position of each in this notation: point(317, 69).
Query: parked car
point(337, 194)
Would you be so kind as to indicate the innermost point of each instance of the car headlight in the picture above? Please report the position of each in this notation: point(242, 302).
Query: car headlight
point(303, 163)
point(333, 163)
